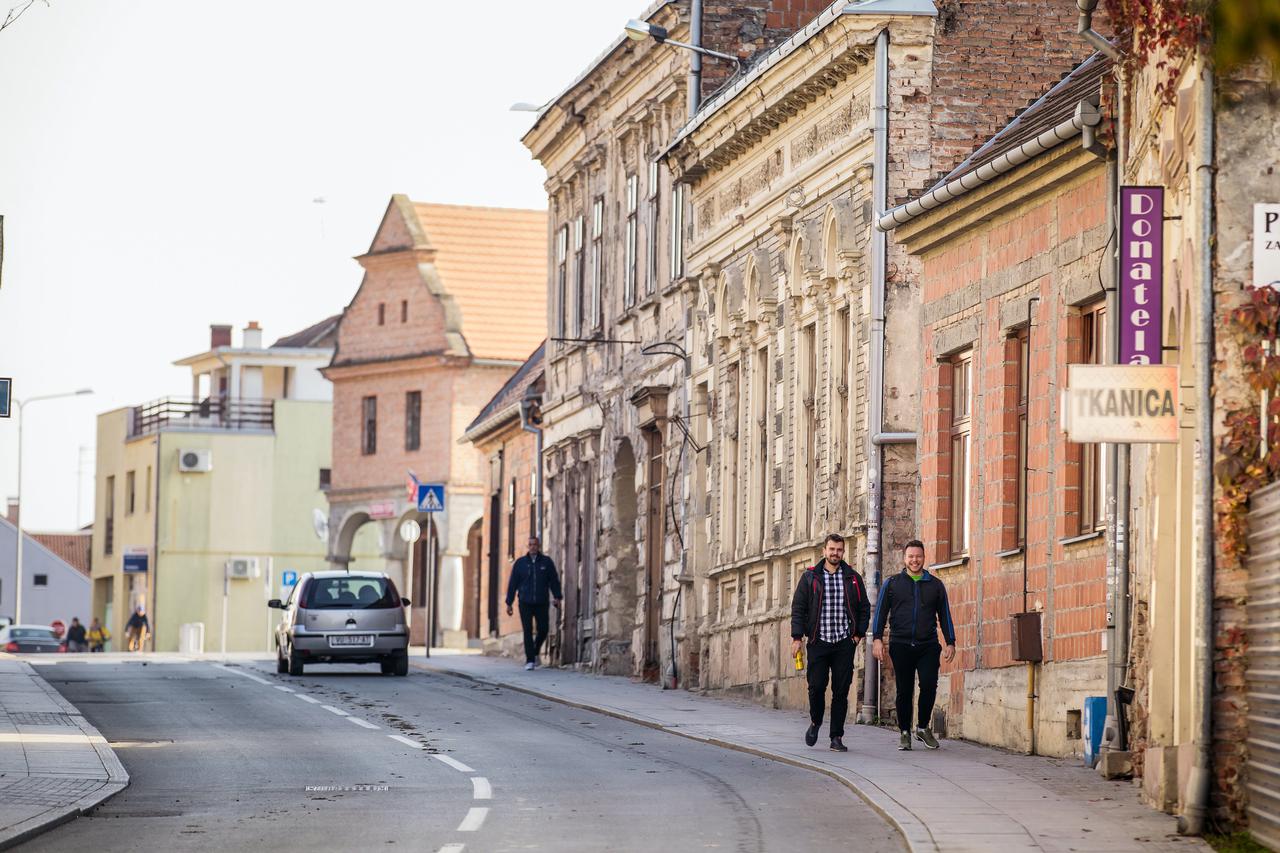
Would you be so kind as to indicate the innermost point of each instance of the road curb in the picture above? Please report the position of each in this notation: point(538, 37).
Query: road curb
point(117, 777)
point(914, 832)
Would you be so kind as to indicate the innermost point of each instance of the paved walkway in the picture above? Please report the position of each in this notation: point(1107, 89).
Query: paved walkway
point(54, 765)
point(963, 797)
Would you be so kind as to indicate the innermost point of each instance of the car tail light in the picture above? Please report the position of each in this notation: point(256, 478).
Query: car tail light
point(11, 646)
point(62, 647)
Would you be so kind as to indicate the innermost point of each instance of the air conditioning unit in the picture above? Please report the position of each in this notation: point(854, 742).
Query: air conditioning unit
point(242, 568)
point(195, 461)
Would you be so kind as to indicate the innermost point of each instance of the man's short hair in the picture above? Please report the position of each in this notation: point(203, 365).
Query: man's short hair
point(535, 539)
point(914, 543)
point(833, 537)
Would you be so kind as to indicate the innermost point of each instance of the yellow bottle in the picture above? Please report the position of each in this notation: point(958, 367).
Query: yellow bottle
point(799, 660)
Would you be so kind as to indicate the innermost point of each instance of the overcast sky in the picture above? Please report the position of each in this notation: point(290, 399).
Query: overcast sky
point(159, 163)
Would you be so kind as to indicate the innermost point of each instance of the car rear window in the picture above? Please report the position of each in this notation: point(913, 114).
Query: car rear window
point(350, 594)
point(31, 634)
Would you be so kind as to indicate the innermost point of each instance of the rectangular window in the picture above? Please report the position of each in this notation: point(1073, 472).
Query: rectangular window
point(382, 313)
point(961, 413)
point(562, 282)
point(404, 310)
point(109, 501)
point(808, 364)
point(629, 262)
point(729, 464)
point(326, 477)
point(763, 388)
point(1022, 348)
point(533, 505)
point(597, 262)
point(369, 426)
point(511, 518)
point(651, 233)
point(582, 312)
point(130, 492)
point(677, 231)
point(146, 507)
point(413, 420)
point(39, 580)
point(1092, 457)
point(841, 440)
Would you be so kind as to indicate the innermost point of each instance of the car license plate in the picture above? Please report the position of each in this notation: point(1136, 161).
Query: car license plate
point(351, 640)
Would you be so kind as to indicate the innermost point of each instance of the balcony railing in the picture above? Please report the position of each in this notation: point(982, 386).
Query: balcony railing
point(213, 413)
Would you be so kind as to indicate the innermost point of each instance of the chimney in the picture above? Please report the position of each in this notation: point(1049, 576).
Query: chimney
point(11, 512)
point(219, 336)
point(252, 336)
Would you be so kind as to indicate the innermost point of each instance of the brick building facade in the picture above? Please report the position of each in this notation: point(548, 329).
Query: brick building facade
point(1011, 512)
point(504, 433)
point(448, 310)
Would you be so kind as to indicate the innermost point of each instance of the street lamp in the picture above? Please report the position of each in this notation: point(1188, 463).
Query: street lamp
point(17, 569)
point(641, 30)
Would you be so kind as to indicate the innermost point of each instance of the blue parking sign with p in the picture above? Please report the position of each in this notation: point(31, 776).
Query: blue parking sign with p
point(431, 497)
point(288, 578)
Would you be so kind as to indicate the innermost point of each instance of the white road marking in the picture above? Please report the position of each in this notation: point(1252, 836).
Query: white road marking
point(452, 848)
point(481, 789)
point(333, 710)
point(404, 740)
point(454, 763)
point(305, 698)
point(360, 722)
point(282, 687)
point(242, 674)
point(474, 820)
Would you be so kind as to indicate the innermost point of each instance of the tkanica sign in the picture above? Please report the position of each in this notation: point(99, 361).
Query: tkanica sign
point(1141, 274)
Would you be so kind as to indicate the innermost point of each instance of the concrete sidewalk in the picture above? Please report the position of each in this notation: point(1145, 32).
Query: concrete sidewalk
point(54, 765)
point(962, 797)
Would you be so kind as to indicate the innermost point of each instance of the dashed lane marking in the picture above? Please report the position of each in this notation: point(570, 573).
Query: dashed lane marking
point(474, 819)
point(305, 698)
point(333, 710)
point(481, 789)
point(404, 740)
point(360, 722)
point(242, 674)
point(454, 763)
point(282, 687)
point(452, 848)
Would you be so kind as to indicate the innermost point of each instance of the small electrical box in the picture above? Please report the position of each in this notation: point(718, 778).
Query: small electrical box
point(1024, 635)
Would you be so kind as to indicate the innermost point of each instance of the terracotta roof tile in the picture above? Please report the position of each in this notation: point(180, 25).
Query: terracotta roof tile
point(529, 374)
point(493, 261)
point(72, 548)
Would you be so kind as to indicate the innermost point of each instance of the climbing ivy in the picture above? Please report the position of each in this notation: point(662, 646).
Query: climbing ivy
point(1241, 469)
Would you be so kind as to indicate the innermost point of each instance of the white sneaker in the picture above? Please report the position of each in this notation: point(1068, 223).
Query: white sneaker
point(528, 666)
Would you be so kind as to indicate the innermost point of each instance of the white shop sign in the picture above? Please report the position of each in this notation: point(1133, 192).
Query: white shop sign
point(1121, 403)
point(1266, 245)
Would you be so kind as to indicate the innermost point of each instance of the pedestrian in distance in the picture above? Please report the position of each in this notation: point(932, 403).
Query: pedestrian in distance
point(76, 639)
point(829, 612)
point(98, 636)
point(914, 604)
point(137, 629)
point(535, 579)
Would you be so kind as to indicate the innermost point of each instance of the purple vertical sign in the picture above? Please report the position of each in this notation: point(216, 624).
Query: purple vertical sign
point(1141, 274)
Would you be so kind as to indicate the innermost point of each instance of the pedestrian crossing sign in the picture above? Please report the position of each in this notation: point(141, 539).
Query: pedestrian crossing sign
point(431, 497)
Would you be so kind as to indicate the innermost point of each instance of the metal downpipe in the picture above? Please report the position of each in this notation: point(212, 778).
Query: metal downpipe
point(870, 710)
point(1194, 819)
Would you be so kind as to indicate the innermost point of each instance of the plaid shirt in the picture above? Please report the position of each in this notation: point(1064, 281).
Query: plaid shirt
point(833, 619)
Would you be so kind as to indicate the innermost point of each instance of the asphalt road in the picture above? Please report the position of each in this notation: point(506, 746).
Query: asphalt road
point(224, 758)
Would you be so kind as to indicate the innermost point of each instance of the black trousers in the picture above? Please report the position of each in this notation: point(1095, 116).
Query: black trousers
point(908, 661)
point(529, 615)
point(834, 661)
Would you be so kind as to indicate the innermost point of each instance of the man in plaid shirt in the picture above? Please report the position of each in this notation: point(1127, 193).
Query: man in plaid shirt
point(830, 610)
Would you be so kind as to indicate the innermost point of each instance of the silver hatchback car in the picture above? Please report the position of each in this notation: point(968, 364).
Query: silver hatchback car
point(342, 617)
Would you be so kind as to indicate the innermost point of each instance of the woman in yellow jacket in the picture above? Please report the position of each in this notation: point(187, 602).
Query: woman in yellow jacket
point(97, 635)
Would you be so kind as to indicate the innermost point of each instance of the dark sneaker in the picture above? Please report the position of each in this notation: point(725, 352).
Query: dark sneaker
point(837, 745)
point(811, 735)
point(926, 737)
point(904, 742)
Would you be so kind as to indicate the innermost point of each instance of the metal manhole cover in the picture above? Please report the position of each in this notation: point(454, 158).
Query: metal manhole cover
point(40, 718)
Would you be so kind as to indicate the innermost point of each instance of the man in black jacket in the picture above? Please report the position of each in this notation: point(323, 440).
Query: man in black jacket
point(914, 603)
point(533, 576)
point(830, 610)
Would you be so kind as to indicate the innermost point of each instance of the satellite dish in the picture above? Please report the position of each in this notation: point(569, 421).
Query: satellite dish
point(320, 522)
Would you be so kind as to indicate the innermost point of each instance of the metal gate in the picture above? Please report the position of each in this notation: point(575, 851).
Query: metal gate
point(1264, 666)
